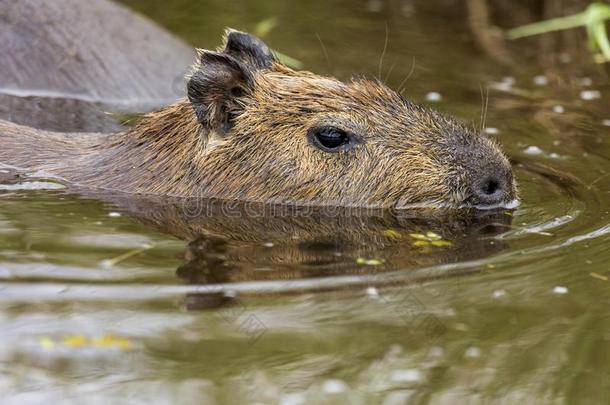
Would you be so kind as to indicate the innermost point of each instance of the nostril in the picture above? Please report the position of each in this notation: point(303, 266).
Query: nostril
point(489, 190)
point(490, 187)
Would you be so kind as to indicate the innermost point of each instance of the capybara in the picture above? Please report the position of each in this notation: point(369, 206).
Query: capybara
point(253, 129)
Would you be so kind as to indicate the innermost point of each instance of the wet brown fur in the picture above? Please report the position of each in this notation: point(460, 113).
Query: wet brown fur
point(408, 154)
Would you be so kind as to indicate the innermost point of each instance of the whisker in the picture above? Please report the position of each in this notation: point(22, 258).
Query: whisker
point(385, 46)
point(385, 80)
point(404, 81)
point(324, 51)
point(484, 105)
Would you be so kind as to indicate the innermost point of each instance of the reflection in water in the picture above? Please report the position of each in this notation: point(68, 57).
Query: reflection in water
point(230, 242)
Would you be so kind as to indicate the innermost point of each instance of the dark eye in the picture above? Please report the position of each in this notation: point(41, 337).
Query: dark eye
point(329, 139)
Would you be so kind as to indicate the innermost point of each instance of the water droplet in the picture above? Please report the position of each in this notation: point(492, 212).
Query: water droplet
point(560, 289)
point(434, 96)
point(372, 292)
point(606, 123)
point(472, 352)
point(114, 214)
point(411, 375)
point(334, 387)
point(559, 109)
point(293, 398)
point(533, 150)
point(590, 94)
point(491, 131)
point(268, 244)
point(541, 80)
point(499, 293)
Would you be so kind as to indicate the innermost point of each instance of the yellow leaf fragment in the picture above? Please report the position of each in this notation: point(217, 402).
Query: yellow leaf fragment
point(433, 236)
point(391, 233)
point(74, 341)
point(46, 343)
point(109, 340)
point(429, 239)
point(369, 262)
point(441, 243)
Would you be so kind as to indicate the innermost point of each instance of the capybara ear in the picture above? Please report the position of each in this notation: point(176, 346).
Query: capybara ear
point(248, 49)
point(215, 89)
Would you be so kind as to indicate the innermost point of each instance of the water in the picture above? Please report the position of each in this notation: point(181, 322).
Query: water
point(107, 299)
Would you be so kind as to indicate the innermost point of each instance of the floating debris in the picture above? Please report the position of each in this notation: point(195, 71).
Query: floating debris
point(499, 293)
point(439, 243)
point(533, 150)
point(598, 276)
point(472, 352)
point(334, 387)
point(391, 233)
point(74, 341)
point(505, 85)
point(606, 123)
point(428, 236)
point(268, 244)
point(491, 131)
point(429, 239)
point(372, 292)
point(369, 262)
point(114, 214)
point(509, 80)
point(559, 109)
point(47, 343)
point(590, 94)
point(434, 96)
point(411, 375)
point(560, 290)
point(541, 80)
point(109, 341)
point(107, 263)
point(77, 341)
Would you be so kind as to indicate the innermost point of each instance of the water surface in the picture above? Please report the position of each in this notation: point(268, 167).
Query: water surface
point(108, 299)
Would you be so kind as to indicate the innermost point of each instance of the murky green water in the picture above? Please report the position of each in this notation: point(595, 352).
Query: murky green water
point(106, 299)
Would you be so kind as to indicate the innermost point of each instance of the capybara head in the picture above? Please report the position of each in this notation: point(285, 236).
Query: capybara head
point(274, 134)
